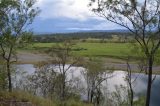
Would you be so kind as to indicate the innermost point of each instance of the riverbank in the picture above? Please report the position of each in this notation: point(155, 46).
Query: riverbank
point(32, 57)
point(110, 63)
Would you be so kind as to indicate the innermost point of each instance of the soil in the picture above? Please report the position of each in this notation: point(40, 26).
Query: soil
point(110, 63)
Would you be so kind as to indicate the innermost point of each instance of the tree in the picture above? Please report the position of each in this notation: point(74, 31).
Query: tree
point(42, 82)
point(63, 56)
point(141, 18)
point(15, 16)
point(95, 75)
point(129, 82)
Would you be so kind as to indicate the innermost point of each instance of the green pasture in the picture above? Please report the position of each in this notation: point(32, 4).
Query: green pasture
point(117, 50)
point(104, 49)
point(112, 50)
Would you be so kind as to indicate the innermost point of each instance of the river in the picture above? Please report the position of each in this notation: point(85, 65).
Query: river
point(140, 84)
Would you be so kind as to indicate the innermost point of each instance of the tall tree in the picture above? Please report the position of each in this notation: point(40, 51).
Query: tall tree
point(95, 75)
point(15, 16)
point(63, 56)
point(141, 18)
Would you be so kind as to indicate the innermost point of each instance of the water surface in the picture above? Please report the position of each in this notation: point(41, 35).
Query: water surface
point(140, 85)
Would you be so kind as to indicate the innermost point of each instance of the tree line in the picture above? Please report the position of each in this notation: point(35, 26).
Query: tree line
point(48, 38)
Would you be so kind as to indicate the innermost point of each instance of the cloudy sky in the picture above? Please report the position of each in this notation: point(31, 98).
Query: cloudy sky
point(68, 16)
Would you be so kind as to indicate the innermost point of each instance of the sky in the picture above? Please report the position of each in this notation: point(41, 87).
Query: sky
point(59, 16)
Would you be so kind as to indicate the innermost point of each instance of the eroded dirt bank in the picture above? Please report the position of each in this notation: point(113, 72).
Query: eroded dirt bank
point(113, 64)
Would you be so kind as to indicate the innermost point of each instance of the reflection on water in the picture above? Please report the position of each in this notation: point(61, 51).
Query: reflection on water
point(140, 84)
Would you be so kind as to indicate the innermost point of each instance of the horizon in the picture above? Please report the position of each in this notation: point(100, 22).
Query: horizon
point(83, 31)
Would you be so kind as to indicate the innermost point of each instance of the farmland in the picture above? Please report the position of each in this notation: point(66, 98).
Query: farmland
point(104, 50)
point(116, 50)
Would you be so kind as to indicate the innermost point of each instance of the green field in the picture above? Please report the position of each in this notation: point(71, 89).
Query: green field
point(114, 50)
point(117, 50)
point(104, 49)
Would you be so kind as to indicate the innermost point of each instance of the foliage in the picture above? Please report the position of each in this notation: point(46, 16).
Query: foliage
point(95, 75)
point(142, 19)
point(25, 97)
point(50, 79)
point(22, 96)
point(15, 16)
point(62, 55)
point(83, 37)
point(3, 78)
point(140, 101)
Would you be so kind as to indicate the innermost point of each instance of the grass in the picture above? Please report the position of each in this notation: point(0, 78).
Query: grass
point(104, 49)
point(111, 50)
point(25, 97)
point(35, 100)
point(93, 49)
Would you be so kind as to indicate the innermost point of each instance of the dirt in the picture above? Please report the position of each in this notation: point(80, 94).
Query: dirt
point(110, 63)
point(123, 66)
point(31, 58)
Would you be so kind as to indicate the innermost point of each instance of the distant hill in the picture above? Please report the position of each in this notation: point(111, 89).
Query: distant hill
point(116, 30)
point(96, 34)
point(83, 31)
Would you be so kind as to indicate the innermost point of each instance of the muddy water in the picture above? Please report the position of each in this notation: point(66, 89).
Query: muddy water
point(140, 84)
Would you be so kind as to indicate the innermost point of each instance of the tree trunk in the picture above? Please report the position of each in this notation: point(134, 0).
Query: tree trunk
point(9, 77)
point(91, 98)
point(88, 95)
point(63, 87)
point(131, 101)
point(63, 91)
point(98, 97)
point(150, 62)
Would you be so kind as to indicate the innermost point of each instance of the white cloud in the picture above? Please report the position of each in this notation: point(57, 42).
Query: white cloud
point(74, 9)
point(105, 25)
point(78, 29)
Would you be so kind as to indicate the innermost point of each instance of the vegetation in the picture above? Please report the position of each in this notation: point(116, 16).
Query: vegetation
point(93, 49)
point(112, 50)
point(74, 76)
point(25, 97)
point(62, 54)
point(22, 96)
point(84, 36)
point(15, 15)
point(142, 19)
point(95, 75)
